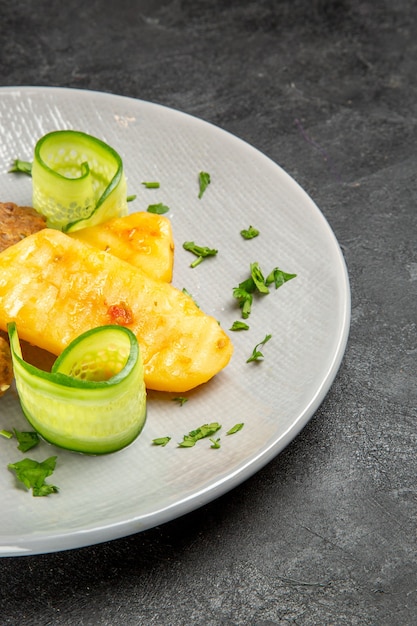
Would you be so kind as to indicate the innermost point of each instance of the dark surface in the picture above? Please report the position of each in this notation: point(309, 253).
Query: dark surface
point(326, 533)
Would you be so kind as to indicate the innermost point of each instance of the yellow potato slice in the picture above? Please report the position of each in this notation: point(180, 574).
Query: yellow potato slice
point(142, 239)
point(55, 287)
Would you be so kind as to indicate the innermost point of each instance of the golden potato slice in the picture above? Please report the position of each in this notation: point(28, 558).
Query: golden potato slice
point(142, 239)
point(55, 287)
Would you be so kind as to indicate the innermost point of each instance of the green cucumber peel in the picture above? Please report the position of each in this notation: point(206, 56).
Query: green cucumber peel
point(94, 398)
point(78, 180)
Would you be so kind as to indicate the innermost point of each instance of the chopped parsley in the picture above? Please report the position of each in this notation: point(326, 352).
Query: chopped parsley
point(238, 325)
point(245, 300)
point(151, 184)
point(203, 180)
point(203, 432)
point(161, 441)
point(158, 209)
point(258, 278)
point(257, 283)
point(201, 252)
point(180, 399)
point(32, 474)
point(26, 440)
point(131, 198)
point(249, 233)
point(6, 434)
point(278, 277)
point(22, 167)
point(244, 292)
point(207, 430)
point(256, 353)
point(235, 429)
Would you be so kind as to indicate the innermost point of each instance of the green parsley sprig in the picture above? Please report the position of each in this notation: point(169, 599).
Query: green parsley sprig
point(7, 434)
point(26, 440)
point(257, 283)
point(207, 430)
point(235, 428)
point(158, 209)
point(239, 325)
point(180, 399)
point(256, 353)
point(161, 441)
point(151, 184)
point(203, 432)
point(201, 252)
point(204, 180)
point(278, 277)
point(21, 167)
point(249, 233)
point(33, 474)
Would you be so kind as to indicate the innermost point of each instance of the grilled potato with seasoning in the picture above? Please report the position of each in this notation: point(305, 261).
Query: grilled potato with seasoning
point(143, 239)
point(55, 287)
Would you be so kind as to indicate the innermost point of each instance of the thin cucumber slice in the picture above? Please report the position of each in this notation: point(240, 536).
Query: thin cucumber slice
point(94, 398)
point(78, 180)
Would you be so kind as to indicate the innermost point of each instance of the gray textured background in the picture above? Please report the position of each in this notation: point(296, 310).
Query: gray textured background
point(326, 533)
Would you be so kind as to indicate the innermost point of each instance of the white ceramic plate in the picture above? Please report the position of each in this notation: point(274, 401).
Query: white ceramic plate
point(103, 498)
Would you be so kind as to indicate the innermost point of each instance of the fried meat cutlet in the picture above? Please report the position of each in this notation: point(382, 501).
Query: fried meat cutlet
point(17, 222)
point(6, 368)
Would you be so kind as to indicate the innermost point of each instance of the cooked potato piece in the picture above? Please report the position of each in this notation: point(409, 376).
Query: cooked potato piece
point(143, 239)
point(55, 288)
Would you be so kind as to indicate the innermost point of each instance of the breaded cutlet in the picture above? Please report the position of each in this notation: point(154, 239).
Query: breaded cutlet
point(17, 222)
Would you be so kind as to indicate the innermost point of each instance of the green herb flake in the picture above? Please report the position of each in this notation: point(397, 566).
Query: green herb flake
point(161, 441)
point(27, 440)
point(180, 399)
point(44, 490)
point(204, 180)
point(32, 474)
point(6, 434)
point(238, 325)
point(235, 429)
point(131, 198)
point(158, 209)
point(249, 233)
point(257, 283)
point(258, 278)
point(151, 184)
point(278, 277)
point(21, 167)
point(207, 430)
point(187, 442)
point(257, 354)
point(244, 299)
point(201, 252)
point(243, 293)
point(215, 443)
